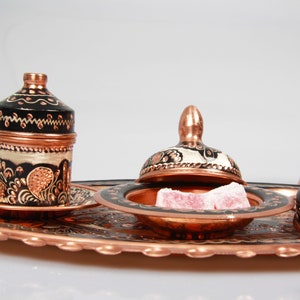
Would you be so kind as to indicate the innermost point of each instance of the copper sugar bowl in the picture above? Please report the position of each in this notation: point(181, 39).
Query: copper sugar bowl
point(192, 167)
point(36, 144)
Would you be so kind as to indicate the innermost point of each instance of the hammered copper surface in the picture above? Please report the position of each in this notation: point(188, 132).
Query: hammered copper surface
point(110, 232)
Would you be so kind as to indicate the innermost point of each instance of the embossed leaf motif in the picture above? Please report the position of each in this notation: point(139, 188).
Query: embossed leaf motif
point(39, 179)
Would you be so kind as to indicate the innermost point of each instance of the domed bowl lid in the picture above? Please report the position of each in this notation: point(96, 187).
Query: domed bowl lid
point(190, 160)
point(35, 109)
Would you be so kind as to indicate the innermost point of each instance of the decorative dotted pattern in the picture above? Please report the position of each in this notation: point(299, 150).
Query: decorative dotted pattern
point(57, 149)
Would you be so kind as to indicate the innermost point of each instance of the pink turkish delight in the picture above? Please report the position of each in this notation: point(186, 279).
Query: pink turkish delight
point(230, 196)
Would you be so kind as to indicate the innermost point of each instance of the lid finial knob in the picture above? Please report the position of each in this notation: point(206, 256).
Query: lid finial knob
point(190, 126)
point(35, 80)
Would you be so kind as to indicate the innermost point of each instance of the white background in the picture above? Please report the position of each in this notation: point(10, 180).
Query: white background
point(128, 68)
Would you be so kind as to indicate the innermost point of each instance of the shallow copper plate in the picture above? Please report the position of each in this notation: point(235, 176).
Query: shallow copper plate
point(108, 231)
point(139, 199)
point(81, 197)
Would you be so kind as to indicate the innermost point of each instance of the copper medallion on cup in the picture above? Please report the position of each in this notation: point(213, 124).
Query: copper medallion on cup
point(36, 145)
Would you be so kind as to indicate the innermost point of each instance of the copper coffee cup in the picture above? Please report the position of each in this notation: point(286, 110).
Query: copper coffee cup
point(36, 144)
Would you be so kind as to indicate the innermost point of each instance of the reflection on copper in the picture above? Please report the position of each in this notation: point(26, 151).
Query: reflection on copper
point(35, 80)
point(190, 126)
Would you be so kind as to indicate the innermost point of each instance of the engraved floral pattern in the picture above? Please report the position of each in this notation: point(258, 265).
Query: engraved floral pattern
point(34, 185)
point(176, 157)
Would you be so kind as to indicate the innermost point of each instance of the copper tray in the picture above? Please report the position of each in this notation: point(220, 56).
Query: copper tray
point(109, 232)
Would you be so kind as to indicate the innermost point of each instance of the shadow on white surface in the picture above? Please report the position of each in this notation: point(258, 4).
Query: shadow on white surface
point(48, 272)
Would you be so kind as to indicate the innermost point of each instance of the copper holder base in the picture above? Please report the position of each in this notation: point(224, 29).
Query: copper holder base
point(111, 232)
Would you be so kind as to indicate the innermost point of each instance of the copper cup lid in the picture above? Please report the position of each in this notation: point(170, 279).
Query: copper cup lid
point(35, 109)
point(190, 160)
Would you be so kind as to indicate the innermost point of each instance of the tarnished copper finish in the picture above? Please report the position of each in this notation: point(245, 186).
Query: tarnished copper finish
point(190, 160)
point(36, 142)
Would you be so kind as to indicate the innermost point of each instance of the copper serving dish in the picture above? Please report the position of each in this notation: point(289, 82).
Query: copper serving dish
point(139, 199)
point(190, 166)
